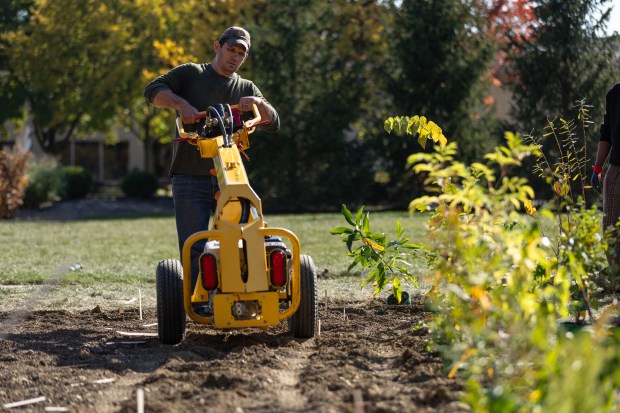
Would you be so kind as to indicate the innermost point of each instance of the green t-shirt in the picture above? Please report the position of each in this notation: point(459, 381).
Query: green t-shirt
point(202, 87)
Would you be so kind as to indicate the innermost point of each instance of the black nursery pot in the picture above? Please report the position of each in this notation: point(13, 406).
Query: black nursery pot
point(405, 299)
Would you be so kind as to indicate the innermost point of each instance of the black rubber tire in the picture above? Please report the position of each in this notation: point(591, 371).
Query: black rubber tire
point(171, 317)
point(303, 324)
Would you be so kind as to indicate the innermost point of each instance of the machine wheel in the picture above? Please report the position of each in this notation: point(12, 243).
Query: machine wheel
point(303, 323)
point(170, 310)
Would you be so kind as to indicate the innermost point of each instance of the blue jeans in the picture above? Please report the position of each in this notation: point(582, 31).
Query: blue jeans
point(194, 201)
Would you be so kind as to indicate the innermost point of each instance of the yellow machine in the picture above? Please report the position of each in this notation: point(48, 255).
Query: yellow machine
point(250, 275)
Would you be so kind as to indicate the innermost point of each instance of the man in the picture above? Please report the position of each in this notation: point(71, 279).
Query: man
point(189, 89)
point(609, 142)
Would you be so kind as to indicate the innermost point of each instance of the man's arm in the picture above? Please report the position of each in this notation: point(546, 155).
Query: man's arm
point(602, 152)
point(167, 99)
point(267, 112)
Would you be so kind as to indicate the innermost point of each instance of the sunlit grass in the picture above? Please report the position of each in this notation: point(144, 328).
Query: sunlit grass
point(117, 257)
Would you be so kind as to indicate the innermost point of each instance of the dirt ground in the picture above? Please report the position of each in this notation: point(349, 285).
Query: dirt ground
point(368, 358)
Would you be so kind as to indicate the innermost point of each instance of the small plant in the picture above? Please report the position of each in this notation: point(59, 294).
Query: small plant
point(388, 260)
point(45, 182)
point(561, 161)
point(78, 182)
point(13, 181)
point(139, 184)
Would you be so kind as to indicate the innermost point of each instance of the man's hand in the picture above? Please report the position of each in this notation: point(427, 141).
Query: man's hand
point(596, 181)
point(167, 99)
point(246, 102)
point(267, 113)
point(189, 114)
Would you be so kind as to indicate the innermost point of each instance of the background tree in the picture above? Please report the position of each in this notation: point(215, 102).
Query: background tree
point(316, 62)
point(13, 14)
point(69, 62)
point(440, 54)
point(564, 58)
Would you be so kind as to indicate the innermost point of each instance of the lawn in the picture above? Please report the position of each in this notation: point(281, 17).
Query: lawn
point(109, 261)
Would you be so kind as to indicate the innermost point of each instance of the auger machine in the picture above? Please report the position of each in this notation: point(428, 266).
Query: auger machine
point(249, 274)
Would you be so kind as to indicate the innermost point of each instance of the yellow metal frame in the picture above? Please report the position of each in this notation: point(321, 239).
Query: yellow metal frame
point(226, 229)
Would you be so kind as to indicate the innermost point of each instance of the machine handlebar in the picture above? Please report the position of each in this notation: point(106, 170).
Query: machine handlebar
point(225, 122)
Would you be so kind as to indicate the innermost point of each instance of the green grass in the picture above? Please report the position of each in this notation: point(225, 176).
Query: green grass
point(119, 256)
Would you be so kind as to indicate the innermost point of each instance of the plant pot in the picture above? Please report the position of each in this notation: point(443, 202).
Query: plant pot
point(405, 299)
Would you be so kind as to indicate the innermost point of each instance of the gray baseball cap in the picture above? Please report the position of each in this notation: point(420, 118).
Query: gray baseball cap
point(236, 35)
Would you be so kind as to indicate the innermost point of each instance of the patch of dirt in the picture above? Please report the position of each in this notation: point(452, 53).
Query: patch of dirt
point(369, 357)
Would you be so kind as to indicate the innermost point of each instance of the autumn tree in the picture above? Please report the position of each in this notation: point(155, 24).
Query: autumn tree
point(69, 60)
point(565, 58)
point(439, 55)
point(316, 62)
point(13, 14)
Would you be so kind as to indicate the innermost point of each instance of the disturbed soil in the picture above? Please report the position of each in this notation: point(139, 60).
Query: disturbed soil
point(368, 357)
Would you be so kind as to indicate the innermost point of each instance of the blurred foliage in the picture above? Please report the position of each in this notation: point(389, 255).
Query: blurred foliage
point(564, 58)
point(45, 182)
point(333, 69)
point(13, 180)
point(500, 284)
point(139, 184)
point(78, 182)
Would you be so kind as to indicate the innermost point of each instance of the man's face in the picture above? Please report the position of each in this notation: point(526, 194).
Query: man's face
point(229, 58)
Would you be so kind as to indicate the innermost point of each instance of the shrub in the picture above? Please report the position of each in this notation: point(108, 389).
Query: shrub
point(45, 182)
point(501, 280)
point(78, 182)
point(139, 184)
point(13, 181)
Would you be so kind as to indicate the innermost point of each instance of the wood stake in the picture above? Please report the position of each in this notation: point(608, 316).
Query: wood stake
point(358, 401)
point(140, 401)
point(140, 299)
point(138, 334)
point(24, 402)
point(325, 300)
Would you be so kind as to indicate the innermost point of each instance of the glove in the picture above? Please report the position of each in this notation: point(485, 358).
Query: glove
point(596, 183)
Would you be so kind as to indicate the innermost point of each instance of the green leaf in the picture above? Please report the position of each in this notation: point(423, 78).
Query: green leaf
point(412, 246)
point(358, 215)
point(353, 264)
point(350, 240)
point(347, 215)
point(399, 229)
point(341, 230)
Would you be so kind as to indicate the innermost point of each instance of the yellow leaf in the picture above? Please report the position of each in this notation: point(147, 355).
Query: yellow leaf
point(529, 208)
point(467, 354)
point(560, 188)
point(372, 244)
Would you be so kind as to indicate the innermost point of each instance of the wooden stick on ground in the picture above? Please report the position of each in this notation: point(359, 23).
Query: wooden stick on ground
point(358, 401)
point(24, 402)
point(140, 401)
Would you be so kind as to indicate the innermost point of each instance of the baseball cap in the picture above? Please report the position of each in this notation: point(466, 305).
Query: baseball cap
point(236, 35)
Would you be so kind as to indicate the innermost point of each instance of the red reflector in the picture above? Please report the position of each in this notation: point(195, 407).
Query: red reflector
point(278, 268)
point(208, 268)
point(236, 117)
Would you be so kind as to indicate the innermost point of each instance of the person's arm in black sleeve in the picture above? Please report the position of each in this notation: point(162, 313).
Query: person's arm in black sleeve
point(164, 91)
point(267, 111)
